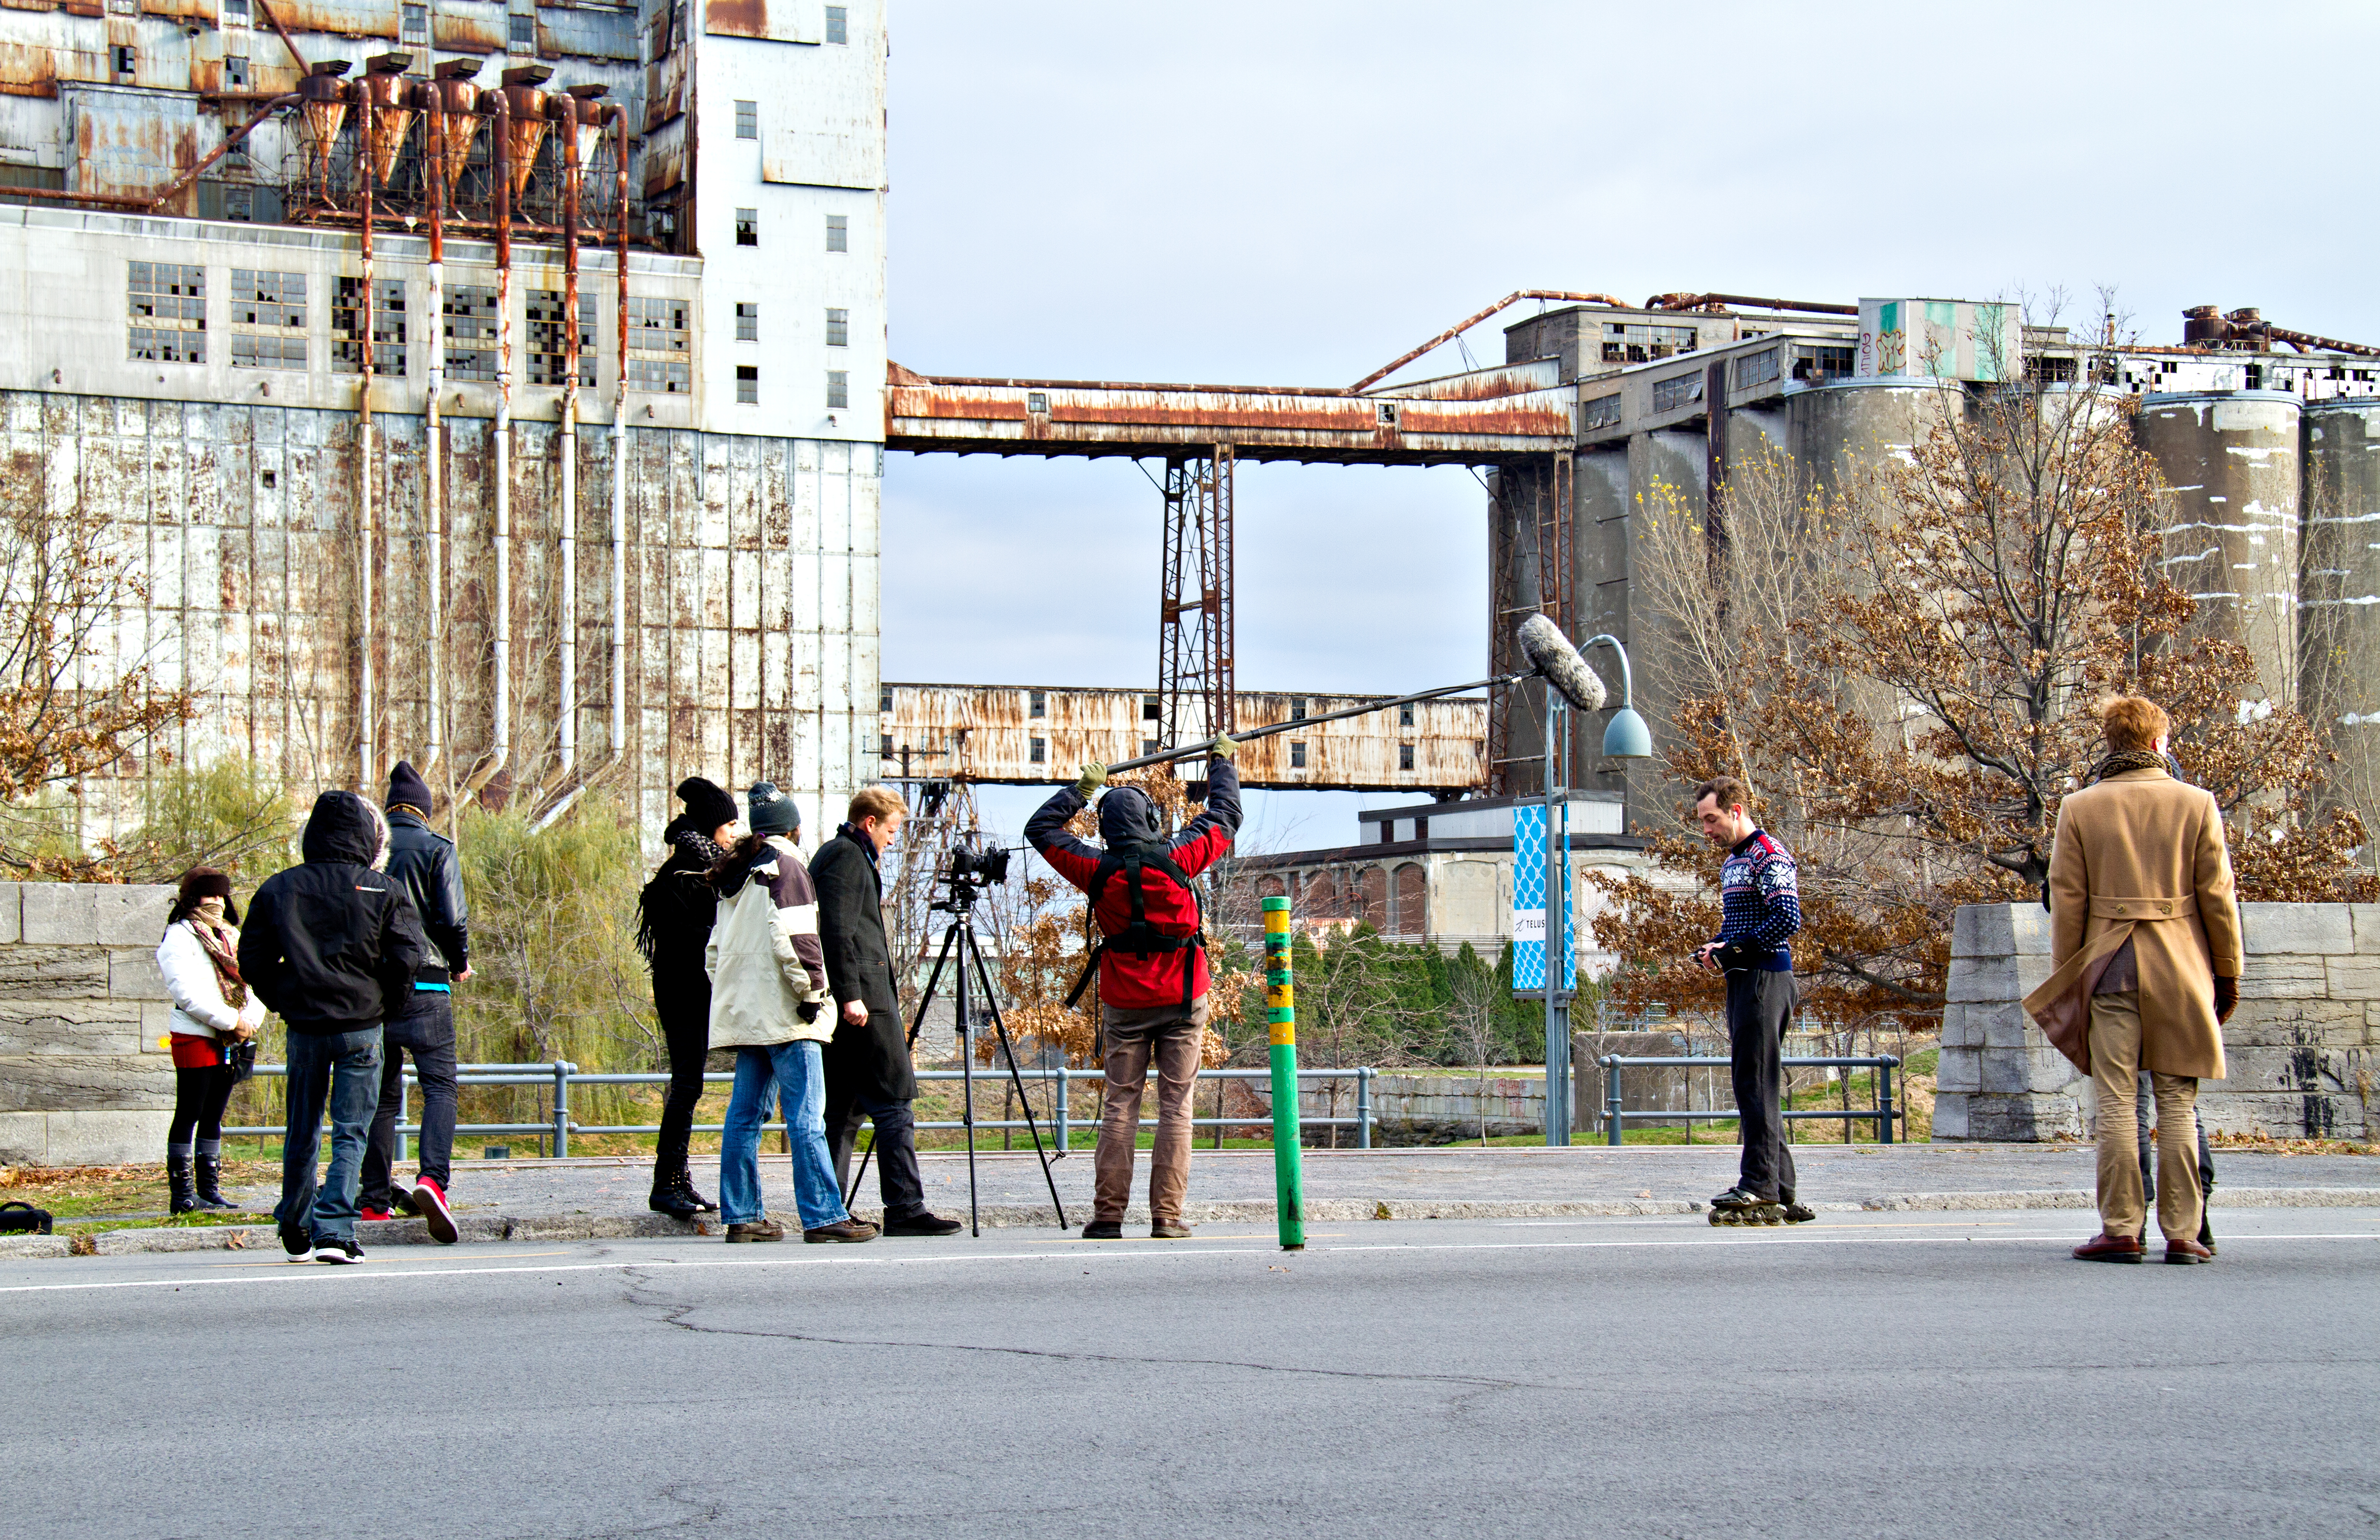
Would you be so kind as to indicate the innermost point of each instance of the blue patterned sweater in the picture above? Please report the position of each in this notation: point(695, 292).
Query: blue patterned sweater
point(1760, 899)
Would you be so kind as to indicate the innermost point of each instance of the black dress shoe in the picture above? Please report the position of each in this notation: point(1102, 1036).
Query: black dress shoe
point(923, 1224)
point(673, 1202)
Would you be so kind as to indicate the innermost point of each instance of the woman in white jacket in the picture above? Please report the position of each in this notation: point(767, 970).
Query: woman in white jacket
point(214, 1011)
point(767, 983)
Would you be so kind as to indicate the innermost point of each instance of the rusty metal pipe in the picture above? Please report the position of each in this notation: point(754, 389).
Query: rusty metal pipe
point(1698, 301)
point(365, 639)
point(433, 489)
point(1455, 330)
point(620, 448)
point(286, 41)
point(500, 747)
point(174, 189)
point(567, 724)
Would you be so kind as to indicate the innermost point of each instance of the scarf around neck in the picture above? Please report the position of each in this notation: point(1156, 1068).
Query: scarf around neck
point(2128, 760)
point(221, 945)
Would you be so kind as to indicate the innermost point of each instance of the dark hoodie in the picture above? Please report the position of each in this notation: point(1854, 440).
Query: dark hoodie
point(332, 945)
point(1127, 818)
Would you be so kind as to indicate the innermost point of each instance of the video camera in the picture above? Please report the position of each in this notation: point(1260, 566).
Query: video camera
point(973, 867)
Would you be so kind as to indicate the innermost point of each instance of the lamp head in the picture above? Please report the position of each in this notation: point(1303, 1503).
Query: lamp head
point(1627, 737)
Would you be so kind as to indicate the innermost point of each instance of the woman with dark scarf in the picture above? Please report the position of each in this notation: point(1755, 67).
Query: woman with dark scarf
point(673, 926)
point(215, 1012)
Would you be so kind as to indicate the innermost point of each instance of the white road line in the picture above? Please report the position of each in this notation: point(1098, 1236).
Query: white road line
point(324, 1274)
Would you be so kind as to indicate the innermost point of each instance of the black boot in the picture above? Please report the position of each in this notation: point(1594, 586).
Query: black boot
point(209, 1170)
point(184, 1199)
point(687, 1190)
point(670, 1199)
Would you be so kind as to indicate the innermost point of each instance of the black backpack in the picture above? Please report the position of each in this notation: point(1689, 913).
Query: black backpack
point(1140, 939)
point(22, 1218)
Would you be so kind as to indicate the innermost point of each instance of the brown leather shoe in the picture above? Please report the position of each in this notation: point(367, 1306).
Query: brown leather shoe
point(758, 1229)
point(2104, 1248)
point(1169, 1230)
point(842, 1230)
point(2186, 1253)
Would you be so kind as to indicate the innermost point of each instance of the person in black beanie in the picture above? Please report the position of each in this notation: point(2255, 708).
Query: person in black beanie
point(425, 864)
point(673, 928)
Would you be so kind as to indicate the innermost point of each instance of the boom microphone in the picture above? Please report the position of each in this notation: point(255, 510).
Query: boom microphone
point(1550, 653)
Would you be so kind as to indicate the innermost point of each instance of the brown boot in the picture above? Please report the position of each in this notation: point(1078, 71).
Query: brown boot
point(2104, 1248)
point(1169, 1230)
point(758, 1229)
point(842, 1230)
point(2186, 1252)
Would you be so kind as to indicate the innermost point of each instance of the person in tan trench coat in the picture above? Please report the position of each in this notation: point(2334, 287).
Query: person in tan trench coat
point(2145, 944)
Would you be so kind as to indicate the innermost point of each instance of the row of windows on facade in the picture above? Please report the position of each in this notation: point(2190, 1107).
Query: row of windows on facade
point(167, 306)
point(748, 228)
point(668, 29)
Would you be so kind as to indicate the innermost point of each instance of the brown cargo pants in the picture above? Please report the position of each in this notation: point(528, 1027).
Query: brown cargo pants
point(1173, 1038)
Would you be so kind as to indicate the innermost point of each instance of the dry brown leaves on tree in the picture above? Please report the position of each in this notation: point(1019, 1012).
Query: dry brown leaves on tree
point(1911, 703)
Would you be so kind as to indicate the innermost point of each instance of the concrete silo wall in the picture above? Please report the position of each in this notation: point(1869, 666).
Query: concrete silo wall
point(2232, 460)
point(2339, 597)
point(749, 602)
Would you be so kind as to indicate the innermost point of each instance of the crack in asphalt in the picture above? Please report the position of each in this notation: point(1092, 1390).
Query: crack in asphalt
point(675, 1316)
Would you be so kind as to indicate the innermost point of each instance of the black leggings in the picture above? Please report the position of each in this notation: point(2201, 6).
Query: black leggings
point(200, 1096)
point(683, 1005)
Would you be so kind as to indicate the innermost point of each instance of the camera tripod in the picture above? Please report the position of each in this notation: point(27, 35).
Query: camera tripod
point(959, 937)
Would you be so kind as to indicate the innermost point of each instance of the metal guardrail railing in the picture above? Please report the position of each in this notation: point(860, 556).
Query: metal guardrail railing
point(1616, 1117)
point(561, 1074)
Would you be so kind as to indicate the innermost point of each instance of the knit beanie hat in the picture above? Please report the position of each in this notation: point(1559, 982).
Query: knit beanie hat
point(707, 807)
point(406, 788)
point(772, 811)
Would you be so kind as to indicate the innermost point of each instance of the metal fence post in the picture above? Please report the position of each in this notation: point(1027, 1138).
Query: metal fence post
point(1065, 1126)
point(1364, 1107)
point(1612, 1122)
point(402, 1118)
point(1281, 1014)
point(562, 1068)
point(1884, 1103)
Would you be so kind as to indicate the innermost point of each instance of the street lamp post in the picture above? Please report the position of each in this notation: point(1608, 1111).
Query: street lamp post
point(1624, 737)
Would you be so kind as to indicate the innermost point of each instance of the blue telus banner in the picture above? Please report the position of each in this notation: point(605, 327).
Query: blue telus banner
point(1529, 902)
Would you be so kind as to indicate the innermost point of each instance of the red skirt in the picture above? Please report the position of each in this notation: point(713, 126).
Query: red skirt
point(193, 1052)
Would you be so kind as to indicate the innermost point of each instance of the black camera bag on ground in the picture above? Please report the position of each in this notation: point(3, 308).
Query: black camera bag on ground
point(23, 1218)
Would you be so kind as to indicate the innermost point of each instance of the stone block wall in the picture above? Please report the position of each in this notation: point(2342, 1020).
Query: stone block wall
point(2302, 1049)
point(84, 1079)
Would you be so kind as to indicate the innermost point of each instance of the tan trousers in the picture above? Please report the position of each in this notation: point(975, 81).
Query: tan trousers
point(2115, 1072)
point(1174, 1038)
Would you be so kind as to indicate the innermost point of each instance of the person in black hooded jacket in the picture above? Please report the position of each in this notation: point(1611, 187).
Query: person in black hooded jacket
point(330, 946)
point(673, 926)
point(424, 862)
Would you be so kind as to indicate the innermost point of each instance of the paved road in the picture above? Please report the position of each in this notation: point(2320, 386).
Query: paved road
point(1830, 1173)
point(1871, 1375)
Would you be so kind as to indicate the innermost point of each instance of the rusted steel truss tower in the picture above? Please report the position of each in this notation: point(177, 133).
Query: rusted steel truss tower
point(1531, 515)
point(1196, 683)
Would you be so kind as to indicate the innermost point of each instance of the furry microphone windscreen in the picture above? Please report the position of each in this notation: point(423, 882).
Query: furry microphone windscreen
point(1549, 653)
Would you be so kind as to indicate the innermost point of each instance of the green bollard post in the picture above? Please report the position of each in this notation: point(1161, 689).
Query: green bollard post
point(1280, 1012)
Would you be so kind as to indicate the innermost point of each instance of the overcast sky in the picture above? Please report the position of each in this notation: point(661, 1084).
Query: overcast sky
point(1294, 193)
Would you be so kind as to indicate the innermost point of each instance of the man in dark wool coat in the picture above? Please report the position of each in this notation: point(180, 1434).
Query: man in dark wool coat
point(867, 1069)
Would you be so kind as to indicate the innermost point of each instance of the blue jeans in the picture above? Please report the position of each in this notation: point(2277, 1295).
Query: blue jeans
point(342, 1070)
point(794, 1076)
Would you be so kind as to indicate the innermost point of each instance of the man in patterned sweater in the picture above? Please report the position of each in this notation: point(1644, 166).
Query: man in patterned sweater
point(1761, 906)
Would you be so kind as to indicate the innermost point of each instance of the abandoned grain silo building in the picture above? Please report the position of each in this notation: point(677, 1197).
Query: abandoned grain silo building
point(493, 384)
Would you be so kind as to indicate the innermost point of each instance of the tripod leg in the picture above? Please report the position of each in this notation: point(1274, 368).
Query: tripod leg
point(860, 1175)
point(1008, 1048)
point(961, 930)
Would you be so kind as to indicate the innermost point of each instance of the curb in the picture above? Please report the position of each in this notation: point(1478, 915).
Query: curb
point(627, 1227)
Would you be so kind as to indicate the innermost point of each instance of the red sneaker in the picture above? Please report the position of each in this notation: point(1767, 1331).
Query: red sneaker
point(372, 1213)
point(430, 1202)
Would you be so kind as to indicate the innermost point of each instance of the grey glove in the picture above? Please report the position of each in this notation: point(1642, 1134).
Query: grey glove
point(1091, 779)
